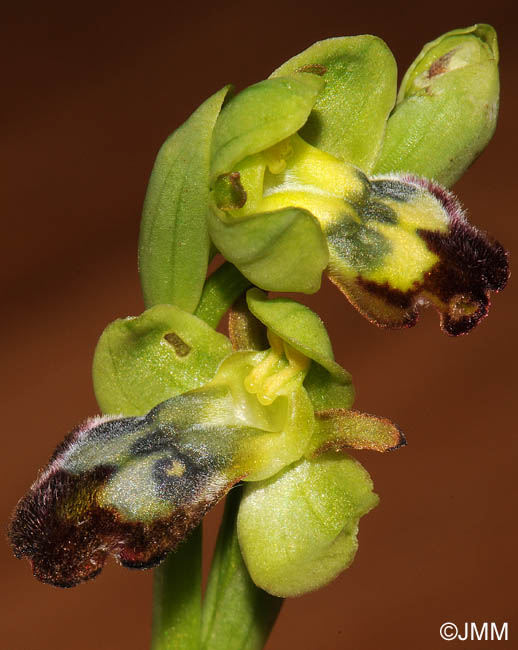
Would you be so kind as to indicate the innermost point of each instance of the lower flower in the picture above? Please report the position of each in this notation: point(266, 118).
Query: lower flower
point(133, 487)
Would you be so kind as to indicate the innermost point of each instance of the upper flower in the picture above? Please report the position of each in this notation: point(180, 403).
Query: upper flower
point(317, 168)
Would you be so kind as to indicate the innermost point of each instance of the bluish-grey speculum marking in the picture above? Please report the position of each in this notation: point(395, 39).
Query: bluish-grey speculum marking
point(393, 189)
point(360, 246)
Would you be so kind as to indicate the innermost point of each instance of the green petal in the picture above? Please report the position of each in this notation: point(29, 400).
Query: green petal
point(142, 361)
point(174, 242)
point(283, 250)
point(260, 116)
point(349, 116)
point(297, 531)
point(341, 429)
point(300, 327)
point(447, 107)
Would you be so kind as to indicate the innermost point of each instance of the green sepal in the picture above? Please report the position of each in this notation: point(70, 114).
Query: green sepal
point(174, 241)
point(341, 429)
point(283, 250)
point(142, 361)
point(349, 116)
point(300, 327)
point(297, 530)
point(447, 107)
point(260, 116)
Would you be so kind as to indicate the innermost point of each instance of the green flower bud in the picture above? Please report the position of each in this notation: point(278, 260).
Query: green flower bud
point(297, 531)
point(447, 107)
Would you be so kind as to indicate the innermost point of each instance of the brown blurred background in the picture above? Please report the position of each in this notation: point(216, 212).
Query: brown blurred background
point(90, 92)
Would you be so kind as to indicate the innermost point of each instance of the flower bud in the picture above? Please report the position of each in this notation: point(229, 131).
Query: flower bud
point(447, 107)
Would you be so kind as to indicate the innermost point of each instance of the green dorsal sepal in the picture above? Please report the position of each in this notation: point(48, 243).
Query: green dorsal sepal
point(349, 116)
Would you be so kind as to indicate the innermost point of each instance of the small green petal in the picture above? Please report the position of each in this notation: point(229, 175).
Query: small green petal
point(260, 116)
point(142, 361)
point(341, 429)
point(447, 107)
point(349, 116)
point(297, 531)
point(283, 250)
point(174, 241)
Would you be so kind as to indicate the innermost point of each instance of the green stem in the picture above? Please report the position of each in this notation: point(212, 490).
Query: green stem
point(237, 615)
point(177, 598)
point(219, 293)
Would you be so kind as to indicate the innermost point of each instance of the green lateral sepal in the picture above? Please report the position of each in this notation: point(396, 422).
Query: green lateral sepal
point(283, 250)
point(297, 531)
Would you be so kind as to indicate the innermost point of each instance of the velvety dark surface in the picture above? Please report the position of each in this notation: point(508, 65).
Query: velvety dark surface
point(89, 92)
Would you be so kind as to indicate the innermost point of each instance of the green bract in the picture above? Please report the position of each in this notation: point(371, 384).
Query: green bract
point(174, 242)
